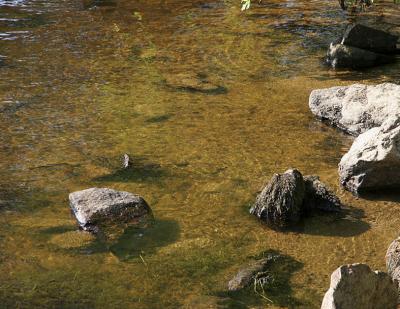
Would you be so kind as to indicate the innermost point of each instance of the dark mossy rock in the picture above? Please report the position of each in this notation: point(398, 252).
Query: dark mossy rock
point(249, 273)
point(289, 196)
point(370, 39)
point(319, 196)
point(280, 203)
point(343, 56)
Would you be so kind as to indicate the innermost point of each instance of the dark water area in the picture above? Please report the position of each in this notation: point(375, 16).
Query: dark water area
point(83, 82)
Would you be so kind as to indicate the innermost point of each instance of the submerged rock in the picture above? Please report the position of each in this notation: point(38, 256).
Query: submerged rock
point(356, 286)
point(371, 39)
point(319, 196)
point(343, 56)
point(98, 206)
point(356, 108)
point(249, 274)
point(280, 202)
point(289, 196)
point(373, 161)
point(193, 83)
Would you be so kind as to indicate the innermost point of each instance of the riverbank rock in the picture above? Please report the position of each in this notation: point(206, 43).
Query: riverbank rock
point(343, 56)
point(393, 262)
point(193, 83)
point(289, 196)
point(98, 206)
point(356, 286)
point(280, 202)
point(371, 39)
point(356, 108)
point(373, 161)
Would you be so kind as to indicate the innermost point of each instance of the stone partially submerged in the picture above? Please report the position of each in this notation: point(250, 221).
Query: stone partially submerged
point(280, 202)
point(356, 286)
point(373, 161)
point(101, 206)
point(370, 39)
point(248, 275)
point(319, 196)
point(343, 56)
point(356, 108)
point(362, 47)
point(289, 196)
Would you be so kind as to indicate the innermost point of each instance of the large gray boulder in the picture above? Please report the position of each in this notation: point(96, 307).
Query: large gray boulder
point(373, 161)
point(356, 286)
point(101, 206)
point(356, 108)
point(343, 56)
point(280, 203)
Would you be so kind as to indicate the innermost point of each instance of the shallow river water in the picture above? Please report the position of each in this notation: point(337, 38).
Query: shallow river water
point(82, 83)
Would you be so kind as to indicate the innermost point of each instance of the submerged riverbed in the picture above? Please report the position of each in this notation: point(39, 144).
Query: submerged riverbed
point(82, 83)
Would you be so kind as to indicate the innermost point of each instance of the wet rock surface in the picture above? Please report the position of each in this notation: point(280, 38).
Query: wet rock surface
point(370, 39)
point(319, 196)
point(373, 161)
point(101, 206)
point(289, 196)
point(356, 108)
point(249, 274)
point(343, 56)
point(356, 286)
point(362, 47)
point(280, 202)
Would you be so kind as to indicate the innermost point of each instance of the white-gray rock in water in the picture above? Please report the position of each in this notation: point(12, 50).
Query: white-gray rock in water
point(102, 205)
point(356, 108)
point(373, 161)
point(393, 261)
point(356, 286)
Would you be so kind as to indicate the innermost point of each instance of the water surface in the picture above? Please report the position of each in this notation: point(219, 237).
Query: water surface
point(82, 83)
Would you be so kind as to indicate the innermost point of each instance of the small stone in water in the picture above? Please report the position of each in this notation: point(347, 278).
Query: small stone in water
point(126, 161)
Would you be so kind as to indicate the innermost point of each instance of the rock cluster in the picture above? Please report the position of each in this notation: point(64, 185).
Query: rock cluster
point(288, 196)
point(372, 113)
point(362, 47)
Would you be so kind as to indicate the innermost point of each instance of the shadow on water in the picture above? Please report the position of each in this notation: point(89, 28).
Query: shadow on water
point(279, 292)
point(136, 241)
point(389, 195)
point(138, 171)
point(133, 242)
point(347, 223)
